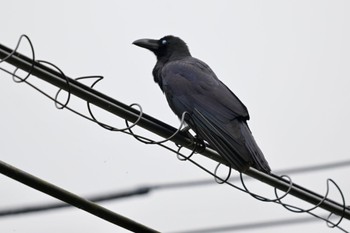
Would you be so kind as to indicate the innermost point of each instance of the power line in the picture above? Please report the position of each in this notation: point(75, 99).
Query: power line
point(53, 206)
point(71, 198)
point(252, 225)
point(297, 170)
point(144, 189)
point(313, 168)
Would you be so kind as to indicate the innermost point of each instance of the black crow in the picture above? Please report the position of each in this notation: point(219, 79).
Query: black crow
point(216, 114)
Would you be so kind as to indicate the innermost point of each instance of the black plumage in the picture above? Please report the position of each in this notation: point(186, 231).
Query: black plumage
point(216, 114)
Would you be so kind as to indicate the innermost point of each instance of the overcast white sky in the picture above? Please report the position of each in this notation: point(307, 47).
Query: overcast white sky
point(288, 61)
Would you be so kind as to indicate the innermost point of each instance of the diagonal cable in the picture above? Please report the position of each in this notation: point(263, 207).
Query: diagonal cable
point(71, 198)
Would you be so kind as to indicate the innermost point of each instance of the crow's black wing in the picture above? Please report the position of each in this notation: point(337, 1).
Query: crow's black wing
point(218, 116)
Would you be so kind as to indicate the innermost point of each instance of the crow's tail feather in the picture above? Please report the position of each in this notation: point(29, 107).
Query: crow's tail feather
point(259, 161)
point(233, 141)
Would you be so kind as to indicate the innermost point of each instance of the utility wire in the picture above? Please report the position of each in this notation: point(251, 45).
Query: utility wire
point(314, 168)
point(146, 189)
point(53, 206)
point(297, 170)
point(71, 198)
point(252, 225)
point(132, 115)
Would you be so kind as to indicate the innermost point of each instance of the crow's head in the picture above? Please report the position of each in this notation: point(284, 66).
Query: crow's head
point(168, 47)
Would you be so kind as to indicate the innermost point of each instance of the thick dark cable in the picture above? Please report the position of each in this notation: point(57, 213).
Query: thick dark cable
point(71, 198)
point(158, 127)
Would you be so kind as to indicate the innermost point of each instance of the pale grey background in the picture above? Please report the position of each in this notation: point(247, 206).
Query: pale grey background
point(288, 61)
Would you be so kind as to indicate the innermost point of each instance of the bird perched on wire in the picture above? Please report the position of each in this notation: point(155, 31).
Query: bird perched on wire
point(216, 114)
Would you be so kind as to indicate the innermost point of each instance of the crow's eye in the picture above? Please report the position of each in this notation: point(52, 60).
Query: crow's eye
point(164, 41)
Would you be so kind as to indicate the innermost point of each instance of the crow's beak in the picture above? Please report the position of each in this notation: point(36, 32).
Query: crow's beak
point(147, 44)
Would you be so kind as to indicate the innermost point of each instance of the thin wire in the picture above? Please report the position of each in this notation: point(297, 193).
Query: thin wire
point(319, 167)
point(60, 205)
point(103, 125)
point(14, 52)
point(252, 225)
